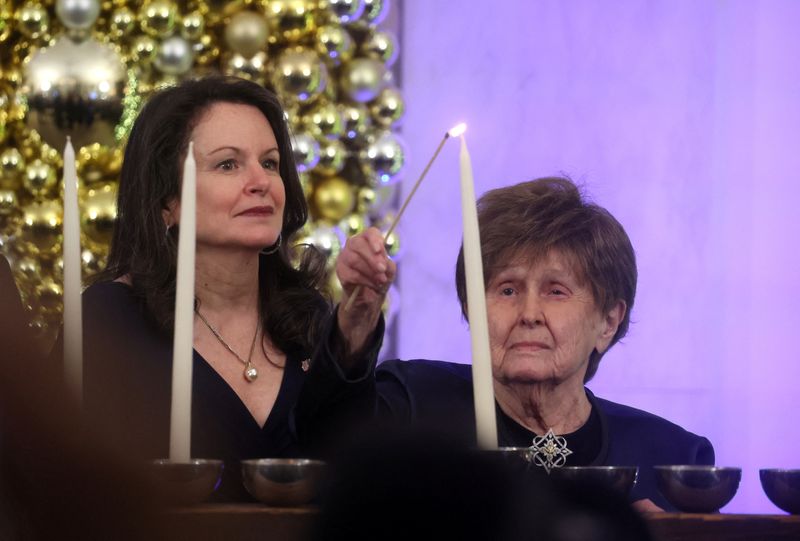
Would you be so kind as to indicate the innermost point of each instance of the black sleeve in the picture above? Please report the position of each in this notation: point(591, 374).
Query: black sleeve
point(333, 403)
point(127, 371)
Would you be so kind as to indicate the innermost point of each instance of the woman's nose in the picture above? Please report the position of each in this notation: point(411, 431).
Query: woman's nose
point(258, 180)
point(531, 311)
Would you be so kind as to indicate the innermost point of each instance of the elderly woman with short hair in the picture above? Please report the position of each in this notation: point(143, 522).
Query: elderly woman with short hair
point(560, 277)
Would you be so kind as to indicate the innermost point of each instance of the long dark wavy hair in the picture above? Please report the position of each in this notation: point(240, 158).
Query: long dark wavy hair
point(291, 305)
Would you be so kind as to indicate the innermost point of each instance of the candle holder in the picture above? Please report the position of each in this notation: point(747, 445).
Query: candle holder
point(283, 482)
point(698, 489)
point(782, 487)
point(185, 483)
point(620, 479)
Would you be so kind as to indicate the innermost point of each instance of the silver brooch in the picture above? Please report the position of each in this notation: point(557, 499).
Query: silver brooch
point(549, 451)
point(305, 365)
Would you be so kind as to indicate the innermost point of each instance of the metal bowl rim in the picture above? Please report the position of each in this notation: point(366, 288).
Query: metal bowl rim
point(697, 468)
point(258, 462)
point(215, 462)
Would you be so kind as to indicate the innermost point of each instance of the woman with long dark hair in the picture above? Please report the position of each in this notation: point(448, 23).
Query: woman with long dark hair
point(260, 323)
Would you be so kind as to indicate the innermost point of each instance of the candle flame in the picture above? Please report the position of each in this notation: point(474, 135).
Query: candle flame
point(457, 130)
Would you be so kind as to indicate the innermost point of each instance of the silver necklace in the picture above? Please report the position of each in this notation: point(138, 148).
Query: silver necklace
point(250, 371)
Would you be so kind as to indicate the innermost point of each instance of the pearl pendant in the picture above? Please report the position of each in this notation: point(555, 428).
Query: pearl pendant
point(250, 373)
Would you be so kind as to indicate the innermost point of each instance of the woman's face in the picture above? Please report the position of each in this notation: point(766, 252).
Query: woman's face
point(240, 193)
point(544, 323)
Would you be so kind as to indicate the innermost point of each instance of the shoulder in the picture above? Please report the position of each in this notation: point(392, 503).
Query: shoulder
point(430, 381)
point(108, 297)
point(425, 369)
point(635, 428)
point(107, 305)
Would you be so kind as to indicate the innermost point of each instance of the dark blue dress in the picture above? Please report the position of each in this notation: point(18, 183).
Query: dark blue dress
point(438, 393)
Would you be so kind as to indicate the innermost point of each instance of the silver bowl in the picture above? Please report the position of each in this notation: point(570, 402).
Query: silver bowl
point(516, 458)
point(782, 487)
point(185, 483)
point(620, 479)
point(283, 482)
point(698, 489)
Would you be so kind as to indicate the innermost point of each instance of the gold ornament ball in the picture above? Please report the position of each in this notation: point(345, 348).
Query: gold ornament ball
point(158, 18)
point(49, 294)
point(380, 45)
point(40, 230)
point(299, 75)
point(306, 151)
point(387, 108)
point(365, 198)
point(253, 68)
point(5, 22)
point(326, 240)
point(333, 198)
point(32, 20)
point(122, 23)
point(3, 125)
point(75, 88)
point(346, 11)
point(8, 202)
point(362, 78)
point(356, 120)
point(205, 50)
point(12, 165)
point(392, 244)
point(99, 213)
point(246, 33)
point(353, 224)
point(324, 120)
point(40, 178)
point(27, 271)
point(332, 156)
point(143, 50)
point(375, 11)
point(97, 163)
point(93, 262)
point(379, 206)
point(193, 25)
point(384, 157)
point(289, 20)
point(334, 43)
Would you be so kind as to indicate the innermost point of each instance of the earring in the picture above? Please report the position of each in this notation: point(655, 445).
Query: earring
point(166, 232)
point(274, 248)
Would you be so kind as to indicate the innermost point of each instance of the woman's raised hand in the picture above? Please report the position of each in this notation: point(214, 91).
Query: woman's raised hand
point(364, 270)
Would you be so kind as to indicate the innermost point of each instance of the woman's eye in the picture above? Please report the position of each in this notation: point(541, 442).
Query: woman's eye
point(507, 291)
point(270, 164)
point(227, 165)
point(557, 291)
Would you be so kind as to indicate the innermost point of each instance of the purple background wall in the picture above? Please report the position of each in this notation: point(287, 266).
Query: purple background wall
point(680, 117)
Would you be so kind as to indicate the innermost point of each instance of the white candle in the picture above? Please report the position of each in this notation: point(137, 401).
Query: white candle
point(73, 319)
point(483, 389)
point(180, 433)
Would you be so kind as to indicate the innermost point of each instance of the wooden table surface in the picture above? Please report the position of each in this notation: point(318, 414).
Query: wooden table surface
point(244, 522)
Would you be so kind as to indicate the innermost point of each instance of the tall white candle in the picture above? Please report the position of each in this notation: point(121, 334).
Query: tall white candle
point(73, 319)
point(483, 390)
point(180, 433)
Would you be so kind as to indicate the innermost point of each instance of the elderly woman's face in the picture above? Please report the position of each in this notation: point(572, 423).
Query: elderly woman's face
point(544, 322)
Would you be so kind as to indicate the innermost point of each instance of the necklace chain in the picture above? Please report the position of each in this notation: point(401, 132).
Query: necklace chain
point(250, 371)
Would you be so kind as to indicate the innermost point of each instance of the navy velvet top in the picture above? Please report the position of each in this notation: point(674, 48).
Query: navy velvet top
point(437, 393)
